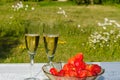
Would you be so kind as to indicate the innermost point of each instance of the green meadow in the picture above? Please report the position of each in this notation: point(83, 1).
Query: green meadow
point(93, 30)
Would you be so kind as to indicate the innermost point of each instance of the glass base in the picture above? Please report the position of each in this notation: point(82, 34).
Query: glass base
point(31, 78)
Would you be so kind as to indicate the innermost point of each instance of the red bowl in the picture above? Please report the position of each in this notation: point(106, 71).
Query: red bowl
point(58, 66)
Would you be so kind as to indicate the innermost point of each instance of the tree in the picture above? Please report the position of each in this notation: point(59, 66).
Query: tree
point(100, 1)
point(86, 1)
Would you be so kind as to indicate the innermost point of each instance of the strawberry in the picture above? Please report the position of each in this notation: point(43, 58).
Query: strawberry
point(82, 74)
point(95, 68)
point(76, 67)
point(54, 71)
point(72, 73)
point(71, 60)
point(68, 66)
point(90, 73)
point(79, 56)
point(89, 67)
point(61, 72)
point(79, 64)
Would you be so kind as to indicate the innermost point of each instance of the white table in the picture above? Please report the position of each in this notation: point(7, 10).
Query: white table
point(19, 71)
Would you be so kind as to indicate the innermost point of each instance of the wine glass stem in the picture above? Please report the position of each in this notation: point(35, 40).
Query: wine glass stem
point(31, 63)
point(50, 59)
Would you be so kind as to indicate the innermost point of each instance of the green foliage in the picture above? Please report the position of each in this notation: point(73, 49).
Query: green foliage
point(76, 25)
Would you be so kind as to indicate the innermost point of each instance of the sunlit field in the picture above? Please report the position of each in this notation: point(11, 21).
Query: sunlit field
point(93, 30)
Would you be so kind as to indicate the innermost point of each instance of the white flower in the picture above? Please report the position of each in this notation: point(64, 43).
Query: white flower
point(99, 24)
point(98, 36)
point(111, 31)
point(78, 26)
point(32, 8)
point(18, 4)
point(13, 6)
point(94, 41)
point(118, 36)
point(11, 17)
point(60, 8)
point(104, 27)
point(63, 12)
point(107, 24)
point(59, 12)
point(106, 33)
point(112, 21)
point(106, 20)
point(118, 25)
point(115, 41)
point(26, 6)
point(21, 5)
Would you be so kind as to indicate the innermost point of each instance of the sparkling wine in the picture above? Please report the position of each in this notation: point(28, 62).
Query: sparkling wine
point(50, 42)
point(32, 41)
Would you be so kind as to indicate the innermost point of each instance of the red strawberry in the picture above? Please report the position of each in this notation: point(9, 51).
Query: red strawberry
point(68, 66)
point(71, 60)
point(96, 68)
point(93, 68)
point(76, 67)
point(54, 71)
point(89, 67)
point(72, 73)
point(79, 64)
point(82, 74)
point(61, 72)
point(90, 73)
point(79, 56)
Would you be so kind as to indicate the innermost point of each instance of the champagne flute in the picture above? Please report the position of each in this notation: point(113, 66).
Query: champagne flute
point(32, 40)
point(50, 36)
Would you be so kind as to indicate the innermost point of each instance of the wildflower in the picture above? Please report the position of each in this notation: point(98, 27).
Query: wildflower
point(105, 37)
point(112, 21)
point(60, 8)
point(17, 6)
point(32, 8)
point(106, 20)
point(82, 30)
point(11, 17)
point(107, 24)
point(115, 41)
point(20, 5)
point(106, 33)
point(61, 11)
point(99, 24)
point(78, 26)
point(61, 42)
point(117, 25)
point(13, 6)
point(118, 36)
point(21, 46)
point(104, 27)
point(111, 31)
point(26, 6)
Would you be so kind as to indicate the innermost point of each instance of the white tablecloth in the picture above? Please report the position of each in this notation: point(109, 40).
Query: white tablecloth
point(19, 71)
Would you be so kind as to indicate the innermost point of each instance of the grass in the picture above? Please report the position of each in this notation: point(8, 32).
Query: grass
point(73, 39)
